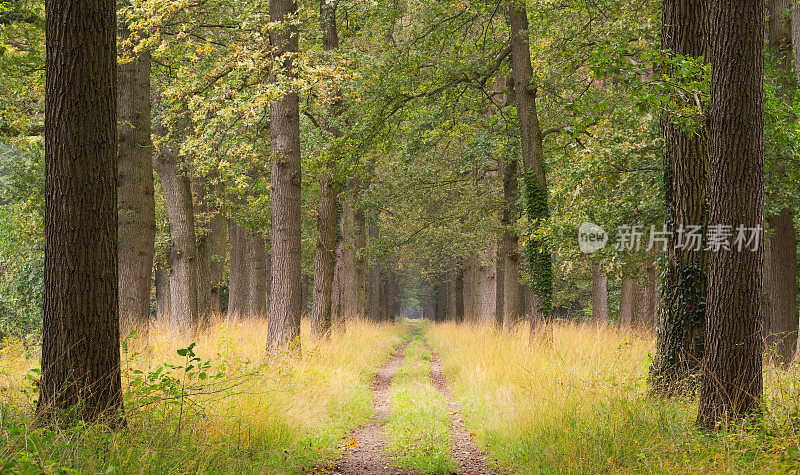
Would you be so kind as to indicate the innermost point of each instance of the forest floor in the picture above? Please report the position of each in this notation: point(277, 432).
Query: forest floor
point(396, 399)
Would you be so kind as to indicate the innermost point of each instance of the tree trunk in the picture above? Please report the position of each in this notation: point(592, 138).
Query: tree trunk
point(459, 291)
point(183, 262)
point(780, 276)
point(647, 298)
point(218, 251)
point(599, 294)
point(679, 345)
point(256, 265)
point(80, 335)
point(361, 263)
point(485, 286)
point(509, 246)
point(499, 282)
point(163, 299)
point(135, 194)
point(238, 284)
point(346, 299)
point(325, 256)
point(204, 280)
point(627, 302)
point(470, 289)
point(391, 296)
point(285, 198)
point(374, 283)
point(452, 298)
point(796, 37)
point(525, 91)
point(731, 380)
point(441, 302)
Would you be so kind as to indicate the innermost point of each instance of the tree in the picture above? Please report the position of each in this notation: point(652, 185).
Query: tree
point(328, 205)
point(135, 194)
point(731, 380)
point(508, 276)
point(780, 279)
point(780, 271)
point(238, 284)
point(285, 199)
point(183, 269)
point(627, 302)
point(509, 246)
point(257, 263)
point(80, 336)
point(680, 331)
point(599, 294)
point(525, 91)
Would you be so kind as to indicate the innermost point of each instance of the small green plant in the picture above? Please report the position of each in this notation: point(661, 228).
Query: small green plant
point(173, 384)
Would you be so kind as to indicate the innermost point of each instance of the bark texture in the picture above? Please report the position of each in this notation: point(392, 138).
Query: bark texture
point(163, 298)
point(780, 276)
point(599, 294)
point(203, 280)
point(238, 285)
point(183, 272)
point(346, 294)
point(525, 91)
point(627, 302)
point(256, 265)
point(680, 331)
point(325, 257)
point(509, 246)
point(374, 280)
point(479, 287)
point(135, 194)
point(218, 251)
point(780, 273)
point(283, 329)
point(391, 296)
point(328, 206)
point(796, 38)
point(647, 298)
point(80, 335)
point(731, 380)
point(360, 240)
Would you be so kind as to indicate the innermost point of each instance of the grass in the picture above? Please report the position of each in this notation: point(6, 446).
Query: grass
point(576, 404)
point(418, 430)
point(580, 404)
point(242, 415)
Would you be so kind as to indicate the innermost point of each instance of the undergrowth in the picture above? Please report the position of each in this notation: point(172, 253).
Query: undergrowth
point(212, 405)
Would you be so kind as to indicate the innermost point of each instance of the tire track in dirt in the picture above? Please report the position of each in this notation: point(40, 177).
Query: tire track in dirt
point(366, 446)
point(471, 460)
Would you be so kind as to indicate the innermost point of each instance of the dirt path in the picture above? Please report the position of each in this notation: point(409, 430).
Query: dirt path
point(366, 445)
point(471, 460)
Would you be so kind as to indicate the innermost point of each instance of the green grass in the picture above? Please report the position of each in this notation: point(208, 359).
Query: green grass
point(418, 430)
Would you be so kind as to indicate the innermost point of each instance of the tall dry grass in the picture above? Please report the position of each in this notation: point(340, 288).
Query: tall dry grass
point(274, 415)
point(580, 404)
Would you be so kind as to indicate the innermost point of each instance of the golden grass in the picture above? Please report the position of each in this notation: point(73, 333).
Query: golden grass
point(580, 404)
point(576, 404)
point(279, 416)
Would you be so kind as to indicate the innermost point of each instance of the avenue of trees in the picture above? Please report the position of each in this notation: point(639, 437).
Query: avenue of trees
point(183, 160)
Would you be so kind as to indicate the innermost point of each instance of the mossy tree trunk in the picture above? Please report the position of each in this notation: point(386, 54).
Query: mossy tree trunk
point(681, 325)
